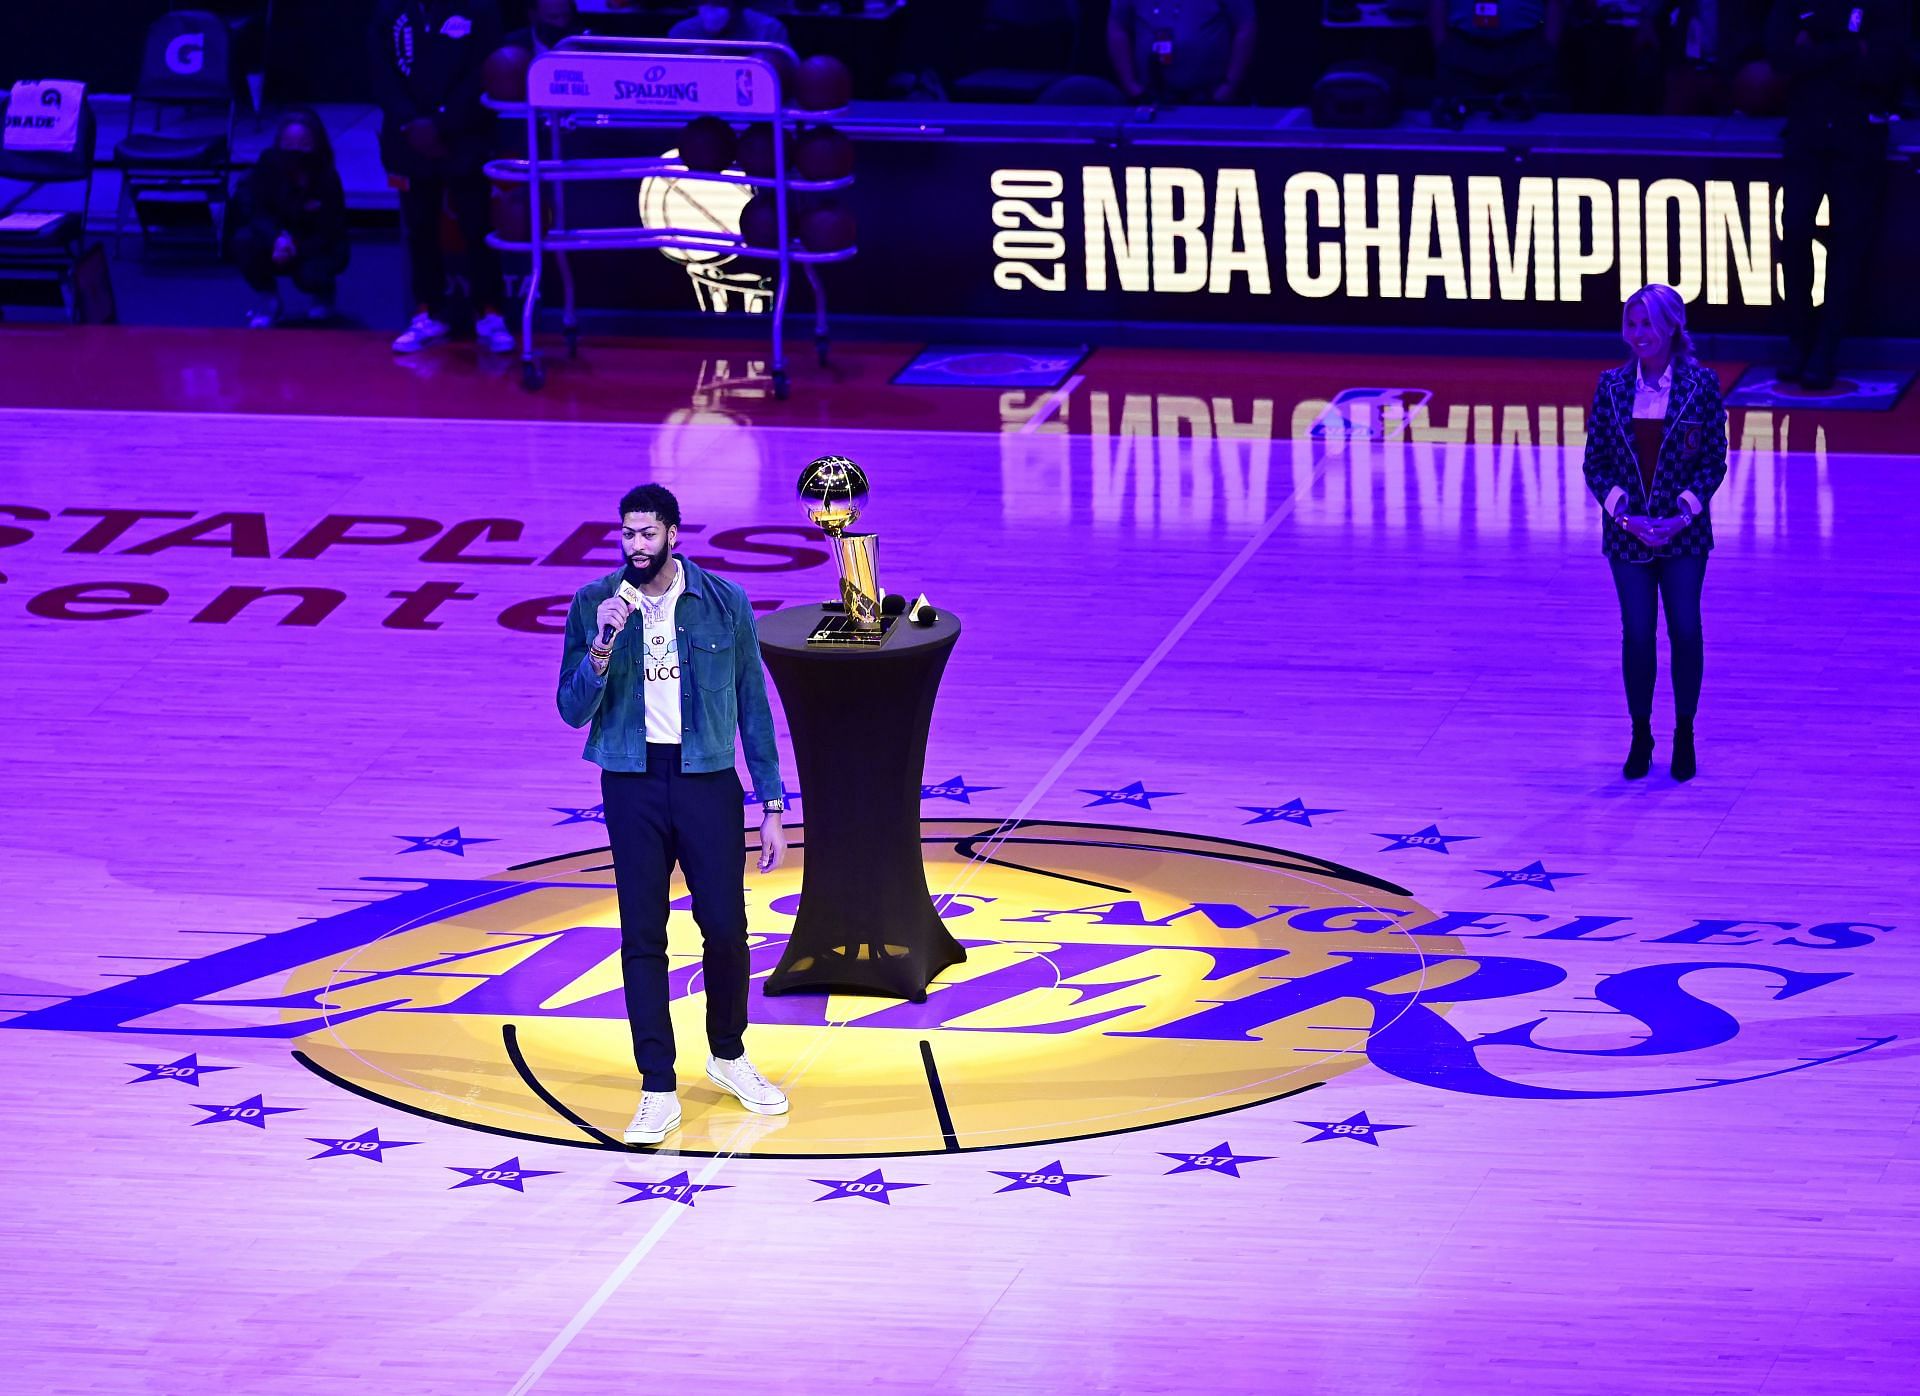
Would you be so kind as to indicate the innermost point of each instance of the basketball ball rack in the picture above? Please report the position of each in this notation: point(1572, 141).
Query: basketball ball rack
point(600, 84)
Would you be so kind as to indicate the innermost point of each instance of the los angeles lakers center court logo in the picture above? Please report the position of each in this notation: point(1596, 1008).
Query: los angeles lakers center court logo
point(1116, 979)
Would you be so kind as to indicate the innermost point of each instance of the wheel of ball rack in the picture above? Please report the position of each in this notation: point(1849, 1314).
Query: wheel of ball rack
point(595, 70)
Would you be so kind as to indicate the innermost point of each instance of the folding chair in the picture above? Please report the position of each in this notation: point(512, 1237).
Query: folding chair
point(42, 249)
point(186, 70)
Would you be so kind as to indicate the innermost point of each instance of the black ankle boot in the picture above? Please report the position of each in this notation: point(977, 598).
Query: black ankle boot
point(1640, 754)
point(1684, 765)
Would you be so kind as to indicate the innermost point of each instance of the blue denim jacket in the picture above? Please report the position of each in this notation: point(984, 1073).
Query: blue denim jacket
point(722, 688)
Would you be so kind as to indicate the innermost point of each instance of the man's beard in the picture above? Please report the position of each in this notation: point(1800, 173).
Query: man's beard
point(647, 566)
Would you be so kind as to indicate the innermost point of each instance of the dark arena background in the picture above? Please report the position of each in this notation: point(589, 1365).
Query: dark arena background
point(1315, 428)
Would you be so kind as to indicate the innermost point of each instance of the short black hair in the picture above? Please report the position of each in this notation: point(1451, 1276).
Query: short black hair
point(657, 500)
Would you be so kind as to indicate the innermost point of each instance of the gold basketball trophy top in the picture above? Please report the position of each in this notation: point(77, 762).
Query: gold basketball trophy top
point(833, 490)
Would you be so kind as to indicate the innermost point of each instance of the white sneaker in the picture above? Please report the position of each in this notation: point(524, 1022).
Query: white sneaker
point(265, 317)
point(741, 1079)
point(424, 331)
point(657, 1117)
point(493, 335)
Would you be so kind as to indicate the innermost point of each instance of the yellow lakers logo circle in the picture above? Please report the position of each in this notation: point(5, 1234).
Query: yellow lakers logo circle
point(1116, 979)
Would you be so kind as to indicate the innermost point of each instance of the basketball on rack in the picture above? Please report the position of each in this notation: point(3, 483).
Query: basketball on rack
point(823, 154)
point(504, 73)
point(692, 204)
point(753, 154)
point(707, 143)
point(511, 219)
point(822, 84)
point(827, 229)
point(1758, 90)
point(760, 222)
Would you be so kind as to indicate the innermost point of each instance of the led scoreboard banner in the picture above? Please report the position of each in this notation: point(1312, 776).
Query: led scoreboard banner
point(978, 214)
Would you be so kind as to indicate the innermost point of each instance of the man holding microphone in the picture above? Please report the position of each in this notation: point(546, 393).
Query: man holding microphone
point(663, 661)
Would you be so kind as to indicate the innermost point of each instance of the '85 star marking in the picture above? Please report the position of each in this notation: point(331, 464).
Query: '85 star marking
point(1356, 1127)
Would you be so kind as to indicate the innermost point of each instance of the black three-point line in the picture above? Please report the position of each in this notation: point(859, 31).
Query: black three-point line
point(944, 1115)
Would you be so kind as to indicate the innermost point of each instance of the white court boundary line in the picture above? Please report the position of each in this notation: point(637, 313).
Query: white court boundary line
point(658, 1231)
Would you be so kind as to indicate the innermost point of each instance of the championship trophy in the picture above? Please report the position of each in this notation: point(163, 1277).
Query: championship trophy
point(833, 490)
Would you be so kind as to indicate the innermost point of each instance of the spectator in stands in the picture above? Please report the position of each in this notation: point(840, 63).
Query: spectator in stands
point(1842, 60)
point(732, 20)
point(434, 137)
point(550, 22)
point(289, 219)
point(1181, 51)
point(1499, 50)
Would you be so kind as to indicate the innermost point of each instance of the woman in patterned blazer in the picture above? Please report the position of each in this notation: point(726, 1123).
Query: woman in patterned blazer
point(1656, 452)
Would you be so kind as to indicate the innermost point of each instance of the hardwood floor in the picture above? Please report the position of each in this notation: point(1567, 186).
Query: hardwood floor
point(1398, 1044)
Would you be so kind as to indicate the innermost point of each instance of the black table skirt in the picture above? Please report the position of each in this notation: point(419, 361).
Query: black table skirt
point(859, 719)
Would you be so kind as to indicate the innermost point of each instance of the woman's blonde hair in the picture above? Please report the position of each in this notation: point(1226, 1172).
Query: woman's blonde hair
point(1666, 312)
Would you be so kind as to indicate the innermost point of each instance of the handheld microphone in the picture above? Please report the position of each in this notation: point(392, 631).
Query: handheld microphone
point(892, 605)
point(629, 592)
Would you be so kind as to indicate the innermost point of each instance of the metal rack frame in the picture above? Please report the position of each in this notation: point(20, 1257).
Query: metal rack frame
point(578, 85)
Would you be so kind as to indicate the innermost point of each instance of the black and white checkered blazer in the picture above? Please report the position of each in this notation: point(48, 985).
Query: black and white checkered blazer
point(1691, 464)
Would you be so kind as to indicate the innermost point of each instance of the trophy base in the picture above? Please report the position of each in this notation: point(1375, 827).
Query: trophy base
point(838, 631)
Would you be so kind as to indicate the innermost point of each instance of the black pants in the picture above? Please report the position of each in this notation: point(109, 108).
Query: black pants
point(468, 195)
point(1643, 587)
point(315, 268)
point(1846, 169)
point(653, 821)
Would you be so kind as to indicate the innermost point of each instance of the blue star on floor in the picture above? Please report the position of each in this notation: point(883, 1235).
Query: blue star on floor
point(1219, 1159)
point(871, 1186)
point(1429, 838)
point(449, 842)
point(1356, 1127)
point(365, 1145)
point(1533, 874)
point(674, 1189)
point(955, 789)
point(1052, 1178)
point(1294, 811)
point(251, 1111)
point(593, 814)
point(508, 1174)
point(187, 1070)
point(1134, 794)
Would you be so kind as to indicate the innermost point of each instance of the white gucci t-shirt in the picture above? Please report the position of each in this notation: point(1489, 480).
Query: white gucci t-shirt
point(660, 661)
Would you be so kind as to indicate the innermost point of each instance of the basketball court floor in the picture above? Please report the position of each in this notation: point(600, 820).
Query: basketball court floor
point(1336, 1018)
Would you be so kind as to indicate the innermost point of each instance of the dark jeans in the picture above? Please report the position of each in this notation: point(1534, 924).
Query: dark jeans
point(1644, 586)
point(654, 820)
point(315, 268)
point(469, 196)
point(1847, 169)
